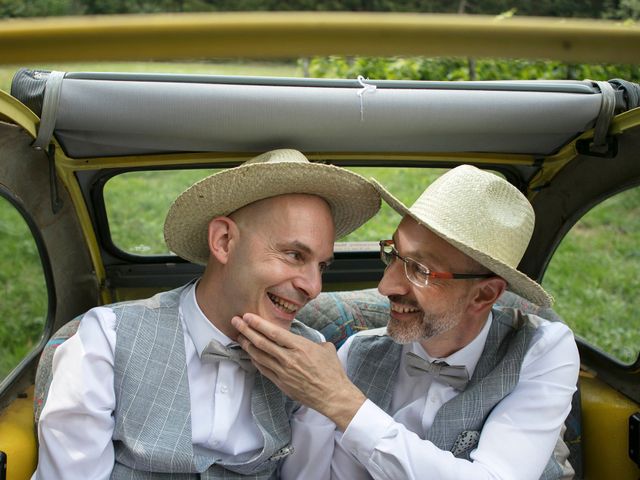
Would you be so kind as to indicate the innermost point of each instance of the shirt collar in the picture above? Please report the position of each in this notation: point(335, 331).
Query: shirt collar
point(198, 326)
point(469, 355)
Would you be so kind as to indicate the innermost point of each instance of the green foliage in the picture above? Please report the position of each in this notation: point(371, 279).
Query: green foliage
point(552, 8)
point(454, 69)
point(280, 69)
point(39, 8)
point(624, 10)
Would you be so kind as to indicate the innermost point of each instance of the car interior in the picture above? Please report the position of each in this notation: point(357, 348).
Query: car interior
point(72, 142)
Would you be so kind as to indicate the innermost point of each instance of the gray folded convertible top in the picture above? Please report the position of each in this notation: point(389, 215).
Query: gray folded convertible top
point(101, 114)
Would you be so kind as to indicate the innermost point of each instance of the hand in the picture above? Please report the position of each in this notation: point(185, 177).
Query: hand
point(306, 371)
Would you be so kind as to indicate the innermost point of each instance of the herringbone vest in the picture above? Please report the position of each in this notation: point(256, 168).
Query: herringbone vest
point(373, 366)
point(152, 436)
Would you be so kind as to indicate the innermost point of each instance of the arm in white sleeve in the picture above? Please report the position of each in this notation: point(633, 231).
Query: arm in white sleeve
point(345, 466)
point(312, 440)
point(516, 441)
point(76, 425)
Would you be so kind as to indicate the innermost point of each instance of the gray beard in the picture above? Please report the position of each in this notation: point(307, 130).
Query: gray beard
point(430, 325)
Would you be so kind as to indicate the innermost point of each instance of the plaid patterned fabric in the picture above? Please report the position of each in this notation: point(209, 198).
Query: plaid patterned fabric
point(43, 374)
point(373, 363)
point(337, 315)
point(153, 421)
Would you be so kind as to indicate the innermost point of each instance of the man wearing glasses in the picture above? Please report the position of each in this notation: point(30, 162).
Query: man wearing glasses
point(453, 387)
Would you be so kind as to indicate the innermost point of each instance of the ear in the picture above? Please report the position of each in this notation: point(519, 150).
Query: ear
point(486, 293)
point(222, 233)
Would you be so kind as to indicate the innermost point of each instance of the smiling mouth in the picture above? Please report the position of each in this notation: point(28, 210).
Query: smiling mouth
point(399, 308)
point(283, 304)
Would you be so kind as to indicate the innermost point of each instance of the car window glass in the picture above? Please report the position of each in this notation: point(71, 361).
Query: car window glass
point(23, 289)
point(406, 184)
point(593, 276)
point(137, 204)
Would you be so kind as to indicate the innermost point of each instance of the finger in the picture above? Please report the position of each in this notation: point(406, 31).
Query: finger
point(278, 363)
point(329, 346)
point(267, 372)
point(263, 360)
point(254, 352)
point(254, 337)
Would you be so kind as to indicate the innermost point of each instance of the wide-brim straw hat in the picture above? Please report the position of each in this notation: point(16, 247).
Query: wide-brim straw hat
point(483, 216)
point(352, 198)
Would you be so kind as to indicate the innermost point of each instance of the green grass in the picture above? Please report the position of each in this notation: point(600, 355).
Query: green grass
point(594, 276)
point(23, 308)
point(210, 68)
point(136, 222)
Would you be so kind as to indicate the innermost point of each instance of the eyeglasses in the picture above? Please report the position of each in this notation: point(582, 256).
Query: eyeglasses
point(417, 273)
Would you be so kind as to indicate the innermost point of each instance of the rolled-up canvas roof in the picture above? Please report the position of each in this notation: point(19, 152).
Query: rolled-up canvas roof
point(105, 114)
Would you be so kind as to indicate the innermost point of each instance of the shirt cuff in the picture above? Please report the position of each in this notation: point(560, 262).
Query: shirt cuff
point(367, 427)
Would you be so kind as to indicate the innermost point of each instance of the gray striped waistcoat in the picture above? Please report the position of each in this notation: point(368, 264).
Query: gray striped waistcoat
point(373, 366)
point(152, 436)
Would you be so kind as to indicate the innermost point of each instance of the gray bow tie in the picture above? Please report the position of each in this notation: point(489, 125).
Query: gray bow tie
point(453, 375)
point(216, 351)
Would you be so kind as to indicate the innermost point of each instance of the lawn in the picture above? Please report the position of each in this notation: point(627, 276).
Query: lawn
point(209, 68)
point(23, 307)
point(594, 274)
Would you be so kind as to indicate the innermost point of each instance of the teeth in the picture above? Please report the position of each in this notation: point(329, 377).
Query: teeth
point(403, 308)
point(289, 307)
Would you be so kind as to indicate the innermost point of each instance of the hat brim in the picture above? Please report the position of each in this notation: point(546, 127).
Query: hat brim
point(352, 198)
point(517, 281)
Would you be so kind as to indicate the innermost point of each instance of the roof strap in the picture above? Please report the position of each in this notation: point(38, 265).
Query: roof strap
point(49, 110)
point(630, 93)
point(607, 109)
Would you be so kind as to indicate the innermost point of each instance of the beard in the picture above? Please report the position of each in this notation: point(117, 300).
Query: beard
point(429, 325)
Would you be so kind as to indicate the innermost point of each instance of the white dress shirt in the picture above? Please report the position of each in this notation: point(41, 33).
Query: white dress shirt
point(76, 425)
point(516, 441)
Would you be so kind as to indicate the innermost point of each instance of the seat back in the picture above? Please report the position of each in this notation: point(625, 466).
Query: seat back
point(43, 374)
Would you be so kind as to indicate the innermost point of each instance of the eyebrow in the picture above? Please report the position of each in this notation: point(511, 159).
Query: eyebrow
point(418, 256)
point(306, 249)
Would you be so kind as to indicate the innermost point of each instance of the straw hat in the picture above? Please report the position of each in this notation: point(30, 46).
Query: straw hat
point(483, 216)
point(352, 198)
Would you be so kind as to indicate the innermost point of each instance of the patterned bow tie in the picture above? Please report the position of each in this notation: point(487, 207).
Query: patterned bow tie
point(216, 351)
point(454, 375)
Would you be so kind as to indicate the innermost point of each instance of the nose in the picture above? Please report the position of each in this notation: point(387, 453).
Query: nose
point(309, 282)
point(394, 281)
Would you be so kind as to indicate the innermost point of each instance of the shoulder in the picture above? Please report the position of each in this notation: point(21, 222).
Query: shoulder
point(364, 337)
point(549, 333)
point(301, 329)
point(552, 343)
point(374, 332)
point(151, 309)
point(162, 300)
point(373, 343)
